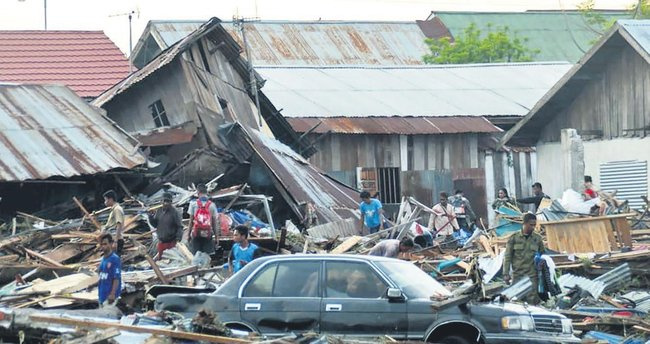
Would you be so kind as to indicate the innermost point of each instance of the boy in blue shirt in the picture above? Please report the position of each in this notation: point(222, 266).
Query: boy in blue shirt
point(110, 273)
point(242, 251)
point(372, 214)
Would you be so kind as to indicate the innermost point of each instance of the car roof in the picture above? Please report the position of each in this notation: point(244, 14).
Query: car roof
point(328, 256)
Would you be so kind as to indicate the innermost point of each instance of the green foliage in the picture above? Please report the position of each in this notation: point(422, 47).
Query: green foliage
point(497, 45)
point(599, 24)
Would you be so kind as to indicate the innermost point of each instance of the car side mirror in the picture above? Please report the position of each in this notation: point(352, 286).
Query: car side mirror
point(394, 294)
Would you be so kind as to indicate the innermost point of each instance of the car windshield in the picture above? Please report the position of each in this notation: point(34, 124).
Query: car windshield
point(414, 282)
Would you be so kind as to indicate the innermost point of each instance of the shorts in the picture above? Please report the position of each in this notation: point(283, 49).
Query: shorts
point(205, 245)
point(162, 246)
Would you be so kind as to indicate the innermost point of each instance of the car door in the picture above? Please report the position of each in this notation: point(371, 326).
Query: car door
point(283, 297)
point(354, 302)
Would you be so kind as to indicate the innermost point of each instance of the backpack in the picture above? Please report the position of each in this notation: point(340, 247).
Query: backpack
point(202, 220)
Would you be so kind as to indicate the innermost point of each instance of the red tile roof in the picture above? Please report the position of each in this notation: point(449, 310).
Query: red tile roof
point(86, 61)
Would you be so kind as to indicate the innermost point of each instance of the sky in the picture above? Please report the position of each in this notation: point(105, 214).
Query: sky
point(105, 15)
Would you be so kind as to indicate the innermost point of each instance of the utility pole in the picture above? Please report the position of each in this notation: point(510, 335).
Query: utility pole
point(130, 16)
point(240, 24)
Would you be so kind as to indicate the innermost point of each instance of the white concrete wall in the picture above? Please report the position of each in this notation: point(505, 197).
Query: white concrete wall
point(550, 165)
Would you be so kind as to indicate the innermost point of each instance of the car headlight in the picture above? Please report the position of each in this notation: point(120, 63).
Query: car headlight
point(567, 326)
point(518, 323)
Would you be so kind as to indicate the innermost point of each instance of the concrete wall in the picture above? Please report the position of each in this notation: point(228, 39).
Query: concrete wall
point(550, 164)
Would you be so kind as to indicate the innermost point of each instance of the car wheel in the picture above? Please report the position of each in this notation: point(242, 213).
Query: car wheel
point(453, 340)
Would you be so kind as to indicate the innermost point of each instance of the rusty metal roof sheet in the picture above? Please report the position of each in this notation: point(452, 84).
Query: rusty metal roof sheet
point(48, 131)
point(394, 125)
point(307, 42)
point(300, 180)
point(509, 89)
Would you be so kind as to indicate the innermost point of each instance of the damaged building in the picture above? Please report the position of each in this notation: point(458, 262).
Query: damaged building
point(604, 99)
point(55, 146)
point(176, 104)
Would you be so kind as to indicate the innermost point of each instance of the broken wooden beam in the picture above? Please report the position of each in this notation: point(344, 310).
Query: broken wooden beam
point(348, 244)
point(44, 258)
point(136, 329)
point(89, 215)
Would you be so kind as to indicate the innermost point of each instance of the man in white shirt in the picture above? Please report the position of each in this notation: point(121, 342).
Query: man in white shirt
point(443, 220)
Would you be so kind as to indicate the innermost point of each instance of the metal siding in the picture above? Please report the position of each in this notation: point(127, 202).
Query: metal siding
point(628, 178)
point(48, 131)
point(410, 91)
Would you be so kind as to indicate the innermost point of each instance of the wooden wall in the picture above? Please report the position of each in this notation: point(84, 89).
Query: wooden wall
point(616, 100)
point(346, 152)
point(187, 90)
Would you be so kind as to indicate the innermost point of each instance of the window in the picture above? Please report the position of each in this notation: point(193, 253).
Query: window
point(353, 280)
point(297, 279)
point(262, 284)
point(389, 185)
point(159, 115)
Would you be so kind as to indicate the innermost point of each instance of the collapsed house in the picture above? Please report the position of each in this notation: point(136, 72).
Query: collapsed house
point(176, 103)
point(55, 145)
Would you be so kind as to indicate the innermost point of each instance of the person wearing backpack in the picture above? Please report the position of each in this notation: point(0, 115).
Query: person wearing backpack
point(203, 222)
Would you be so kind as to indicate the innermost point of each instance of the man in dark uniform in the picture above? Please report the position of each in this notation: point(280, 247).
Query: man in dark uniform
point(520, 253)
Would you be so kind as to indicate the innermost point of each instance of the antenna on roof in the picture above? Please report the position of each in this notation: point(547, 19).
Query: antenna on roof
point(239, 22)
point(44, 12)
point(130, 16)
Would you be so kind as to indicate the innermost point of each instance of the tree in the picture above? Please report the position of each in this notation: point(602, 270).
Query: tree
point(473, 47)
point(600, 25)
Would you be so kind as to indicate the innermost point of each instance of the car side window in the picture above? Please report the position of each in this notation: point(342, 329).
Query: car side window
point(297, 279)
point(353, 280)
point(262, 284)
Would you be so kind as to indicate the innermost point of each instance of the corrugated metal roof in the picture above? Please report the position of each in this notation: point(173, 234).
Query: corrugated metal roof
point(297, 180)
point(308, 42)
point(395, 125)
point(411, 91)
point(639, 30)
point(559, 35)
point(86, 61)
point(48, 131)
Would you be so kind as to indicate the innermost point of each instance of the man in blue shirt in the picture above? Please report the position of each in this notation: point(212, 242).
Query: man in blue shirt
point(242, 251)
point(372, 214)
point(110, 273)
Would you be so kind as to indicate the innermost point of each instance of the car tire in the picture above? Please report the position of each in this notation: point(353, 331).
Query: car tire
point(453, 340)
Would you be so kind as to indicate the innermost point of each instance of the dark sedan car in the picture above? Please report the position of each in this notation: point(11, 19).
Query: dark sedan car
point(362, 296)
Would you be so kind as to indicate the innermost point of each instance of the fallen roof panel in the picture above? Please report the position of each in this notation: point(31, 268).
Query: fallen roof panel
point(48, 131)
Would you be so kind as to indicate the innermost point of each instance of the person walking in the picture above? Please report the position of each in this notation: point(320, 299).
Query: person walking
point(110, 273)
point(203, 222)
point(167, 222)
point(443, 220)
point(372, 213)
point(521, 250)
point(115, 222)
